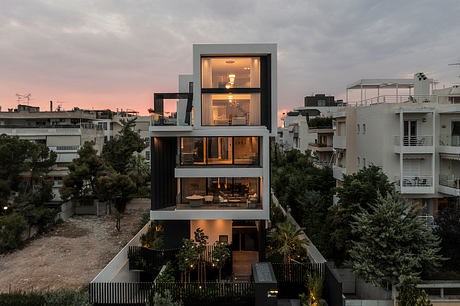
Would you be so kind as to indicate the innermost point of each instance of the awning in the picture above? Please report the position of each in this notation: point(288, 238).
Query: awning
point(450, 156)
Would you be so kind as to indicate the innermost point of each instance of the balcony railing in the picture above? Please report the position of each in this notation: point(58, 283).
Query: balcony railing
point(50, 126)
point(450, 140)
point(451, 181)
point(415, 181)
point(409, 141)
point(397, 99)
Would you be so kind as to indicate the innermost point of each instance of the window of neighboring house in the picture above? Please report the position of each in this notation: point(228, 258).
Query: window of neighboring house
point(321, 102)
point(364, 128)
point(231, 91)
point(105, 139)
point(147, 155)
point(364, 163)
point(359, 163)
point(357, 131)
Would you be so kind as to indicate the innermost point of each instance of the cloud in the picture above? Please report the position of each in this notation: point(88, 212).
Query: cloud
point(115, 53)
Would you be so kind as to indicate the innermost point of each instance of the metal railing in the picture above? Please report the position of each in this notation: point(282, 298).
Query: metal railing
point(396, 99)
point(451, 181)
point(414, 141)
point(415, 181)
point(449, 140)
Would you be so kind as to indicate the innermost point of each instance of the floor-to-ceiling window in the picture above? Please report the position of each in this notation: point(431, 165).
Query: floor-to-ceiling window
point(231, 91)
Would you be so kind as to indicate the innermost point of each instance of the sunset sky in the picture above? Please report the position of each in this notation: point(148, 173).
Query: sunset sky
point(115, 54)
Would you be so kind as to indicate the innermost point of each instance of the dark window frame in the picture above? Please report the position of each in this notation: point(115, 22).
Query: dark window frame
point(264, 90)
point(205, 147)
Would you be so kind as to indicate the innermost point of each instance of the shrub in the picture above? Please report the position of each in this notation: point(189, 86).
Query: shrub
point(168, 274)
point(68, 297)
point(11, 228)
point(22, 298)
point(163, 299)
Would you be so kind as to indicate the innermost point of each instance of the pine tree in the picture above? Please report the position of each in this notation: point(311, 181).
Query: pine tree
point(394, 242)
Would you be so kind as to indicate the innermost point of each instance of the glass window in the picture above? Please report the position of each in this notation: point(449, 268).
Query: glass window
point(219, 150)
point(230, 109)
point(230, 72)
point(246, 150)
point(193, 189)
point(192, 151)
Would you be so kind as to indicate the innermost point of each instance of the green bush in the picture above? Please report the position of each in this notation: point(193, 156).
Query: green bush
point(143, 192)
point(68, 297)
point(11, 228)
point(22, 298)
point(325, 122)
point(61, 297)
point(168, 274)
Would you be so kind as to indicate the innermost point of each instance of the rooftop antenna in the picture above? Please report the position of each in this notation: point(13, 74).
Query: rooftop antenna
point(20, 98)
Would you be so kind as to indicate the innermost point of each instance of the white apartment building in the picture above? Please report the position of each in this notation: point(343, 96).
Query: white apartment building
point(414, 138)
point(63, 132)
point(211, 166)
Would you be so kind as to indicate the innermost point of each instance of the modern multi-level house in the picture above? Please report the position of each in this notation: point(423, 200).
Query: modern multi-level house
point(211, 164)
point(413, 137)
point(63, 132)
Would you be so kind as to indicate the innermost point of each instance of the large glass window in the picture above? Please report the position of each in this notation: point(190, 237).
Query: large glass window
point(246, 150)
point(192, 151)
point(230, 109)
point(221, 151)
point(230, 72)
point(220, 192)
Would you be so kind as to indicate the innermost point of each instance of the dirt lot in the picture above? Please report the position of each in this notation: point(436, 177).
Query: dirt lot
point(71, 254)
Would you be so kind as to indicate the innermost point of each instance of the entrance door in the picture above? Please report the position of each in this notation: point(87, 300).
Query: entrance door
point(410, 132)
point(245, 239)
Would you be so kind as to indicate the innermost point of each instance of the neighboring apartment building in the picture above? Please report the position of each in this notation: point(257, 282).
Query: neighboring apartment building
point(297, 134)
point(211, 166)
point(63, 132)
point(414, 138)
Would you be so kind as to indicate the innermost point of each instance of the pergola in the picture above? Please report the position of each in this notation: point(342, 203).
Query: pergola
point(381, 83)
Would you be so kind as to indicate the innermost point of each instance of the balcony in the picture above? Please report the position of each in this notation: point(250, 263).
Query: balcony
point(414, 144)
point(338, 172)
point(320, 147)
point(449, 184)
point(339, 142)
point(321, 129)
point(449, 144)
point(422, 184)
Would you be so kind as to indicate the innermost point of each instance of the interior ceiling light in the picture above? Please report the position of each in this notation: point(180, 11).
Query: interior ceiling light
point(230, 62)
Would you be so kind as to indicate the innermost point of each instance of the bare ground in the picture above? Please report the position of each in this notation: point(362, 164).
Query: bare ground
point(71, 254)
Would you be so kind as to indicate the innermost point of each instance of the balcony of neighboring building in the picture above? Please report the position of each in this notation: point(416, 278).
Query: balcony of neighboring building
point(321, 125)
point(322, 144)
point(46, 129)
point(338, 171)
point(339, 142)
point(449, 175)
point(417, 144)
point(415, 184)
point(450, 143)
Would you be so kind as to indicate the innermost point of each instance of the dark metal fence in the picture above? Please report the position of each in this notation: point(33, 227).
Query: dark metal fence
point(191, 294)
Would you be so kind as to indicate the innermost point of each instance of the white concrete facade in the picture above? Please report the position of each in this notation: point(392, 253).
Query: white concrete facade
point(415, 143)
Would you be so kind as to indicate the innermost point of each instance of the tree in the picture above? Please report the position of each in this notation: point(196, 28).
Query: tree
point(118, 150)
point(138, 169)
point(117, 189)
point(187, 258)
point(11, 228)
point(448, 229)
point(220, 255)
point(410, 295)
point(201, 240)
point(286, 240)
point(164, 299)
point(394, 242)
point(82, 181)
point(358, 191)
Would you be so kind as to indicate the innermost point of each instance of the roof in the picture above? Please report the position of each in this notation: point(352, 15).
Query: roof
point(382, 83)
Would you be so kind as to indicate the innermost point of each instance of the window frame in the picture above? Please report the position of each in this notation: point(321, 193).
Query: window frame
point(264, 88)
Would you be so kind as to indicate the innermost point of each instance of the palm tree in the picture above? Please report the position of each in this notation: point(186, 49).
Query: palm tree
point(287, 240)
point(138, 168)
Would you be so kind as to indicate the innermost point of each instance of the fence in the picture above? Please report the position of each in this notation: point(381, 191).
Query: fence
point(191, 294)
